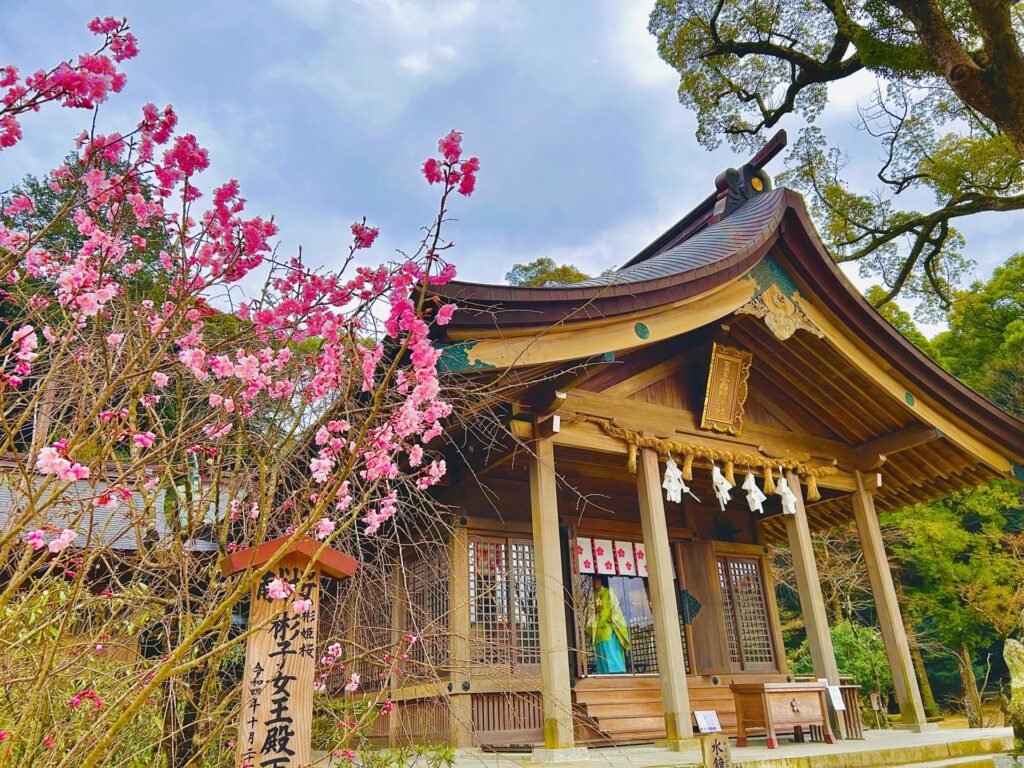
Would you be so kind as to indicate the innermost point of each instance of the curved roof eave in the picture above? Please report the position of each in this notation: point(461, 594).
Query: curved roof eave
point(812, 265)
point(722, 252)
point(715, 255)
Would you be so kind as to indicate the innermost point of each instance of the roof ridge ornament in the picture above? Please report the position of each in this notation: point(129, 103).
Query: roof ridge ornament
point(735, 187)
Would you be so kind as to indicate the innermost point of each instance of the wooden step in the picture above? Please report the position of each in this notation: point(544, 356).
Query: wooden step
point(620, 709)
point(630, 710)
point(618, 697)
point(615, 725)
point(618, 681)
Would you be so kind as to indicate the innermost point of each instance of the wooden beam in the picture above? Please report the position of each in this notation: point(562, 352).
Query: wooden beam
point(664, 421)
point(959, 434)
point(812, 604)
point(399, 619)
point(894, 635)
point(669, 649)
point(647, 377)
point(549, 426)
point(872, 454)
point(556, 696)
point(659, 420)
point(572, 341)
point(460, 717)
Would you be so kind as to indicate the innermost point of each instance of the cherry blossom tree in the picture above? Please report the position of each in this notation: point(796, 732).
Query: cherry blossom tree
point(149, 428)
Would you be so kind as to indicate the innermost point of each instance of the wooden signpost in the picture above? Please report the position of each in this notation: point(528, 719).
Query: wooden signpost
point(714, 750)
point(276, 717)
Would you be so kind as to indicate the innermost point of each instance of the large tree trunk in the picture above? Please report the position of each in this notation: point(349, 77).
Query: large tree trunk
point(931, 709)
point(989, 79)
point(972, 697)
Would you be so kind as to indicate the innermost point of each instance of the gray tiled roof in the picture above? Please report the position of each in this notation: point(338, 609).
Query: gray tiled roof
point(114, 525)
point(710, 245)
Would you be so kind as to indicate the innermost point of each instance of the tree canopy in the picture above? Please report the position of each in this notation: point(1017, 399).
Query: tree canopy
point(543, 272)
point(984, 345)
point(947, 112)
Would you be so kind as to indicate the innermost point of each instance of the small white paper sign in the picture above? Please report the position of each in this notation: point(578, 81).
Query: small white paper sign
point(707, 722)
point(837, 698)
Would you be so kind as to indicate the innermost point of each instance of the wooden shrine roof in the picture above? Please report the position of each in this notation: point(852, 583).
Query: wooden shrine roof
point(716, 254)
point(854, 383)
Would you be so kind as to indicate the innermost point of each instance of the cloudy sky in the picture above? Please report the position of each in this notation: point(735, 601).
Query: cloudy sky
point(324, 110)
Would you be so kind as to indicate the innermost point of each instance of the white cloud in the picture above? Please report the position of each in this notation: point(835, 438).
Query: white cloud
point(608, 249)
point(313, 13)
point(853, 91)
point(426, 61)
point(636, 49)
point(420, 20)
point(379, 54)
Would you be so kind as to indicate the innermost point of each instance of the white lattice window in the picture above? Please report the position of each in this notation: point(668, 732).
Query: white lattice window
point(747, 622)
point(503, 602)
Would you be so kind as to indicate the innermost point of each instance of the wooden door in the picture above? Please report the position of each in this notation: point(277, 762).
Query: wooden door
point(710, 650)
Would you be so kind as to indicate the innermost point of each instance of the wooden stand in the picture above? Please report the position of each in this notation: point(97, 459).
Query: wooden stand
point(771, 707)
point(276, 717)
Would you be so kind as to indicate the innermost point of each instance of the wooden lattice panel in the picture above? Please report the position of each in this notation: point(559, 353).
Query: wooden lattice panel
point(503, 603)
point(427, 586)
point(748, 626)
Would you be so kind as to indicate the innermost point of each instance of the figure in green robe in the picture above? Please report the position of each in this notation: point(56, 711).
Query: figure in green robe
point(607, 629)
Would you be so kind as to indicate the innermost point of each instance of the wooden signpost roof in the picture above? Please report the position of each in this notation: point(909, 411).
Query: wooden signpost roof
point(329, 561)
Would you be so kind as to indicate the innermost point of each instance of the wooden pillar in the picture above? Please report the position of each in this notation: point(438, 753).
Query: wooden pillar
point(399, 619)
point(460, 703)
point(894, 634)
point(812, 604)
point(671, 664)
point(556, 697)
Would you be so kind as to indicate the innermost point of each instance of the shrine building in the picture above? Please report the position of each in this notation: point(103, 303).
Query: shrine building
point(726, 389)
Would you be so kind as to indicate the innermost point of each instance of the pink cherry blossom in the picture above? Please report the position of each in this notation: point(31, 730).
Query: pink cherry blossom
point(187, 156)
point(279, 589)
point(303, 605)
point(36, 539)
point(19, 204)
point(364, 235)
point(160, 379)
point(451, 146)
point(63, 541)
point(444, 314)
point(87, 694)
point(432, 171)
point(324, 527)
point(353, 683)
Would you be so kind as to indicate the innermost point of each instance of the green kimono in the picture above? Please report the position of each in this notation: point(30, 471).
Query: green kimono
point(608, 632)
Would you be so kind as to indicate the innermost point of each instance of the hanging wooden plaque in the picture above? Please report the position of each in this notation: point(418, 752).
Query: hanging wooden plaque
point(726, 392)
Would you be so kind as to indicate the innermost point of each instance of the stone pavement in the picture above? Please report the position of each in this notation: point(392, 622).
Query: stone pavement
point(879, 749)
